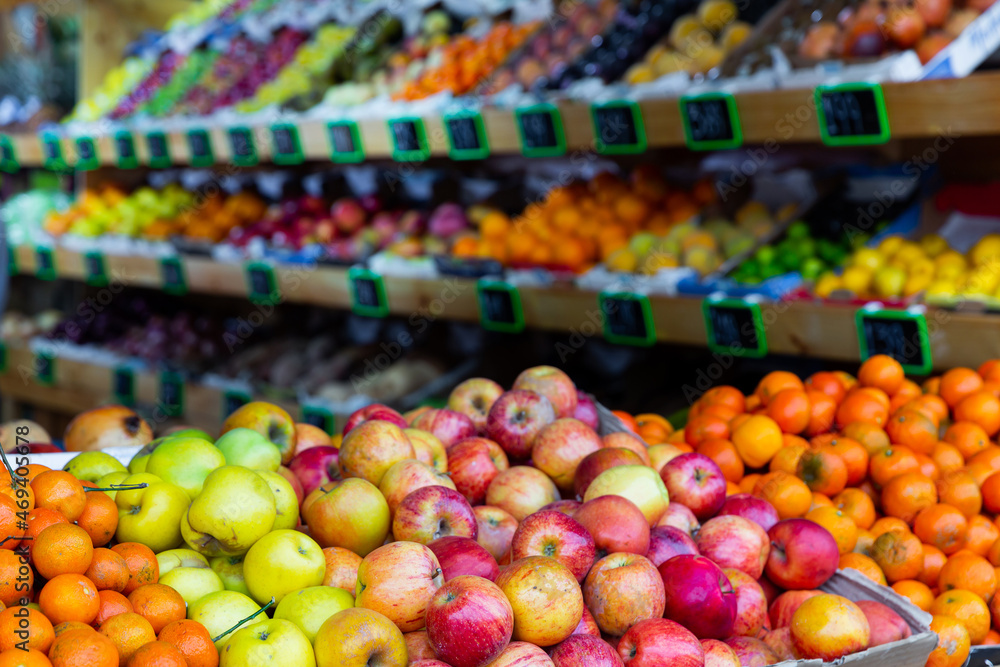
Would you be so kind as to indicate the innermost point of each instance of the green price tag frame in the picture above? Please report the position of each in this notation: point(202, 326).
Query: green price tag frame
point(320, 418)
point(262, 285)
point(423, 150)
point(372, 301)
point(244, 134)
point(52, 153)
point(158, 161)
point(45, 368)
point(8, 156)
point(559, 133)
point(909, 325)
point(735, 124)
point(200, 148)
point(748, 321)
point(86, 154)
point(640, 302)
point(600, 115)
point(171, 394)
point(286, 157)
point(11, 260)
point(233, 400)
point(125, 149)
point(479, 127)
point(344, 135)
point(859, 139)
point(45, 263)
point(3, 357)
point(95, 269)
point(123, 385)
point(172, 275)
point(505, 294)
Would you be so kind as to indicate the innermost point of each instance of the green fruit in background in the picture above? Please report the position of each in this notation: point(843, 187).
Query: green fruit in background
point(805, 247)
point(798, 230)
point(770, 271)
point(751, 267)
point(789, 261)
point(811, 268)
point(765, 255)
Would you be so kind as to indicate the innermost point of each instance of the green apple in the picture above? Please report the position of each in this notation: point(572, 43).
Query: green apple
point(186, 462)
point(190, 433)
point(248, 448)
point(286, 503)
point(230, 570)
point(172, 558)
point(91, 466)
point(309, 608)
point(138, 463)
point(222, 611)
point(110, 479)
point(281, 562)
point(235, 509)
point(271, 643)
point(193, 583)
point(152, 515)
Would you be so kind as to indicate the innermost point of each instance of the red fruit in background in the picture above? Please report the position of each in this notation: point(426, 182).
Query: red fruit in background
point(931, 45)
point(474, 398)
point(565, 506)
point(616, 524)
point(556, 535)
point(750, 507)
point(680, 517)
point(495, 530)
point(904, 26)
point(447, 425)
point(516, 418)
point(803, 554)
point(719, 654)
point(559, 448)
point(371, 412)
point(864, 39)
point(597, 462)
point(585, 651)
point(308, 436)
point(695, 481)
point(665, 542)
point(934, 12)
point(469, 621)
point(432, 512)
point(751, 605)
point(587, 626)
point(657, 642)
point(621, 590)
point(551, 383)
point(463, 555)
point(886, 625)
point(752, 652)
point(472, 464)
point(784, 606)
point(315, 467)
point(732, 541)
point(586, 411)
point(699, 596)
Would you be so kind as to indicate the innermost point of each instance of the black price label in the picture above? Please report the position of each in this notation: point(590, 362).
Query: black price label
point(200, 146)
point(45, 368)
point(345, 142)
point(45, 263)
point(3, 357)
point(232, 401)
point(367, 293)
point(736, 327)
point(321, 418)
point(500, 306)
point(8, 158)
point(852, 114)
point(52, 157)
point(467, 136)
point(86, 154)
point(123, 385)
point(159, 150)
point(409, 140)
point(899, 334)
point(711, 121)
point(287, 147)
point(172, 394)
point(95, 269)
point(261, 283)
point(172, 274)
point(125, 146)
point(628, 318)
point(541, 131)
point(244, 152)
point(984, 656)
point(618, 128)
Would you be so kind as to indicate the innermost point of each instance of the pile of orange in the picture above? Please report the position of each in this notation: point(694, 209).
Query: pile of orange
point(210, 219)
point(81, 603)
point(905, 477)
point(578, 225)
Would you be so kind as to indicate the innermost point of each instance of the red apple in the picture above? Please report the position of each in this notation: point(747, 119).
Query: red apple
point(472, 464)
point(447, 425)
point(405, 477)
point(656, 642)
point(308, 436)
point(780, 641)
point(428, 448)
point(398, 580)
point(751, 651)
point(829, 627)
point(557, 535)
point(588, 626)
point(803, 554)
point(621, 590)
point(411, 415)
point(560, 446)
point(616, 525)
point(629, 441)
point(699, 596)
point(351, 514)
point(418, 647)
point(732, 541)
point(431, 512)
point(348, 215)
point(750, 507)
point(597, 462)
point(784, 606)
point(522, 654)
point(315, 467)
point(586, 411)
point(565, 506)
point(751, 605)
point(474, 398)
point(516, 418)
point(771, 592)
point(546, 598)
point(551, 383)
point(469, 621)
point(341, 568)
point(695, 481)
point(521, 491)
point(373, 412)
point(294, 481)
point(886, 625)
point(680, 517)
point(428, 663)
point(495, 528)
point(463, 555)
point(585, 651)
point(718, 654)
point(665, 542)
point(371, 448)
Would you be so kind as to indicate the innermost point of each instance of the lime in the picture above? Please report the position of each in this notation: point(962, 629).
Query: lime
point(765, 255)
point(798, 230)
point(811, 268)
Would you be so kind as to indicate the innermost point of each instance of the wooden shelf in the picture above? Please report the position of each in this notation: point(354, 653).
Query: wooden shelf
point(801, 328)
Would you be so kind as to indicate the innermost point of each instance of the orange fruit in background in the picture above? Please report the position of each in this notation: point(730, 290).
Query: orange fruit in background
point(947, 457)
point(819, 500)
point(942, 526)
point(774, 382)
point(931, 386)
point(60, 491)
point(934, 560)
point(852, 453)
point(905, 495)
point(39, 629)
point(960, 490)
point(159, 604)
point(730, 397)
point(927, 467)
point(39, 519)
point(888, 524)
point(991, 492)
point(891, 461)
point(989, 369)
point(958, 383)
point(12, 566)
point(930, 406)
point(989, 456)
point(62, 549)
point(128, 631)
point(705, 427)
point(864, 543)
point(627, 420)
point(69, 597)
point(916, 592)
point(871, 436)
point(967, 437)
point(861, 407)
point(857, 506)
point(864, 565)
point(980, 407)
point(907, 392)
point(822, 471)
point(843, 529)
point(66, 626)
point(33, 470)
point(16, 657)
point(822, 413)
point(787, 459)
point(749, 482)
point(899, 554)
point(653, 428)
point(966, 607)
point(193, 641)
point(968, 572)
point(788, 494)
point(108, 570)
point(83, 648)
point(980, 535)
point(11, 526)
point(992, 638)
point(757, 440)
point(725, 456)
point(874, 393)
point(790, 410)
point(912, 429)
point(827, 383)
point(719, 410)
point(99, 518)
point(953, 643)
point(158, 654)
point(112, 604)
point(882, 372)
point(142, 565)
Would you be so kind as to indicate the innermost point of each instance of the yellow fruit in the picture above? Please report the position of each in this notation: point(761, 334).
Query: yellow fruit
point(669, 62)
point(734, 34)
point(933, 245)
point(890, 245)
point(889, 281)
point(716, 14)
point(622, 260)
point(640, 73)
point(908, 253)
point(869, 258)
point(923, 267)
point(857, 279)
point(986, 249)
point(915, 283)
point(981, 281)
point(941, 288)
point(827, 283)
point(683, 28)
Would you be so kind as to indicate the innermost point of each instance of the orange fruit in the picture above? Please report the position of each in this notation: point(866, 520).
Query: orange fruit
point(822, 413)
point(39, 519)
point(59, 491)
point(857, 506)
point(705, 427)
point(142, 565)
point(112, 604)
point(725, 395)
point(968, 608)
point(942, 526)
point(989, 369)
point(12, 623)
point(822, 471)
point(99, 518)
point(653, 428)
point(11, 527)
point(899, 554)
point(62, 549)
point(968, 572)
point(757, 440)
point(891, 461)
point(83, 648)
point(827, 383)
point(725, 456)
point(888, 524)
point(916, 592)
point(16, 657)
point(913, 430)
point(873, 393)
point(953, 643)
point(819, 500)
point(13, 589)
point(787, 458)
point(981, 535)
point(958, 383)
point(990, 491)
point(788, 494)
point(128, 631)
point(908, 391)
point(864, 543)
point(960, 490)
point(992, 638)
point(193, 641)
point(157, 654)
point(854, 455)
point(931, 406)
point(864, 565)
point(934, 560)
point(905, 495)
point(989, 456)
point(66, 626)
point(774, 382)
point(790, 410)
point(159, 604)
point(749, 482)
point(882, 372)
point(927, 467)
point(862, 407)
point(982, 408)
point(108, 570)
point(871, 436)
point(947, 457)
point(843, 529)
point(967, 437)
point(69, 597)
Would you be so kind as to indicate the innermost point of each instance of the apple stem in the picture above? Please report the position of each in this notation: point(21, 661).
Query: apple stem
point(117, 487)
point(248, 618)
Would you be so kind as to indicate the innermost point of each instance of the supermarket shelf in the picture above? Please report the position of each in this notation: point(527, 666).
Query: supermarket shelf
point(803, 328)
point(926, 109)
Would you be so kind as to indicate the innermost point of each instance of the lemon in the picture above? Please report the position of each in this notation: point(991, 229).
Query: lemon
point(982, 281)
point(922, 266)
point(890, 245)
point(908, 252)
point(857, 279)
point(827, 283)
point(933, 245)
point(942, 288)
point(889, 281)
point(916, 283)
point(869, 258)
point(986, 248)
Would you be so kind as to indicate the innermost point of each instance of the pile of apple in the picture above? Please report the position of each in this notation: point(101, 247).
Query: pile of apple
point(501, 530)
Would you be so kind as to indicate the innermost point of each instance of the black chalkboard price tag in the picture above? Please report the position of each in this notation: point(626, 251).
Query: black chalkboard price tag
point(3, 357)
point(628, 318)
point(200, 148)
point(900, 334)
point(45, 368)
point(52, 155)
point(171, 393)
point(345, 142)
point(540, 128)
point(852, 114)
point(618, 128)
point(172, 274)
point(159, 150)
point(734, 326)
point(711, 121)
point(262, 286)
point(123, 385)
point(984, 656)
point(287, 146)
point(125, 148)
point(409, 139)
point(95, 269)
point(8, 157)
point(367, 293)
point(86, 154)
point(319, 417)
point(242, 147)
point(466, 136)
point(11, 260)
point(233, 400)
point(45, 263)
point(500, 306)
